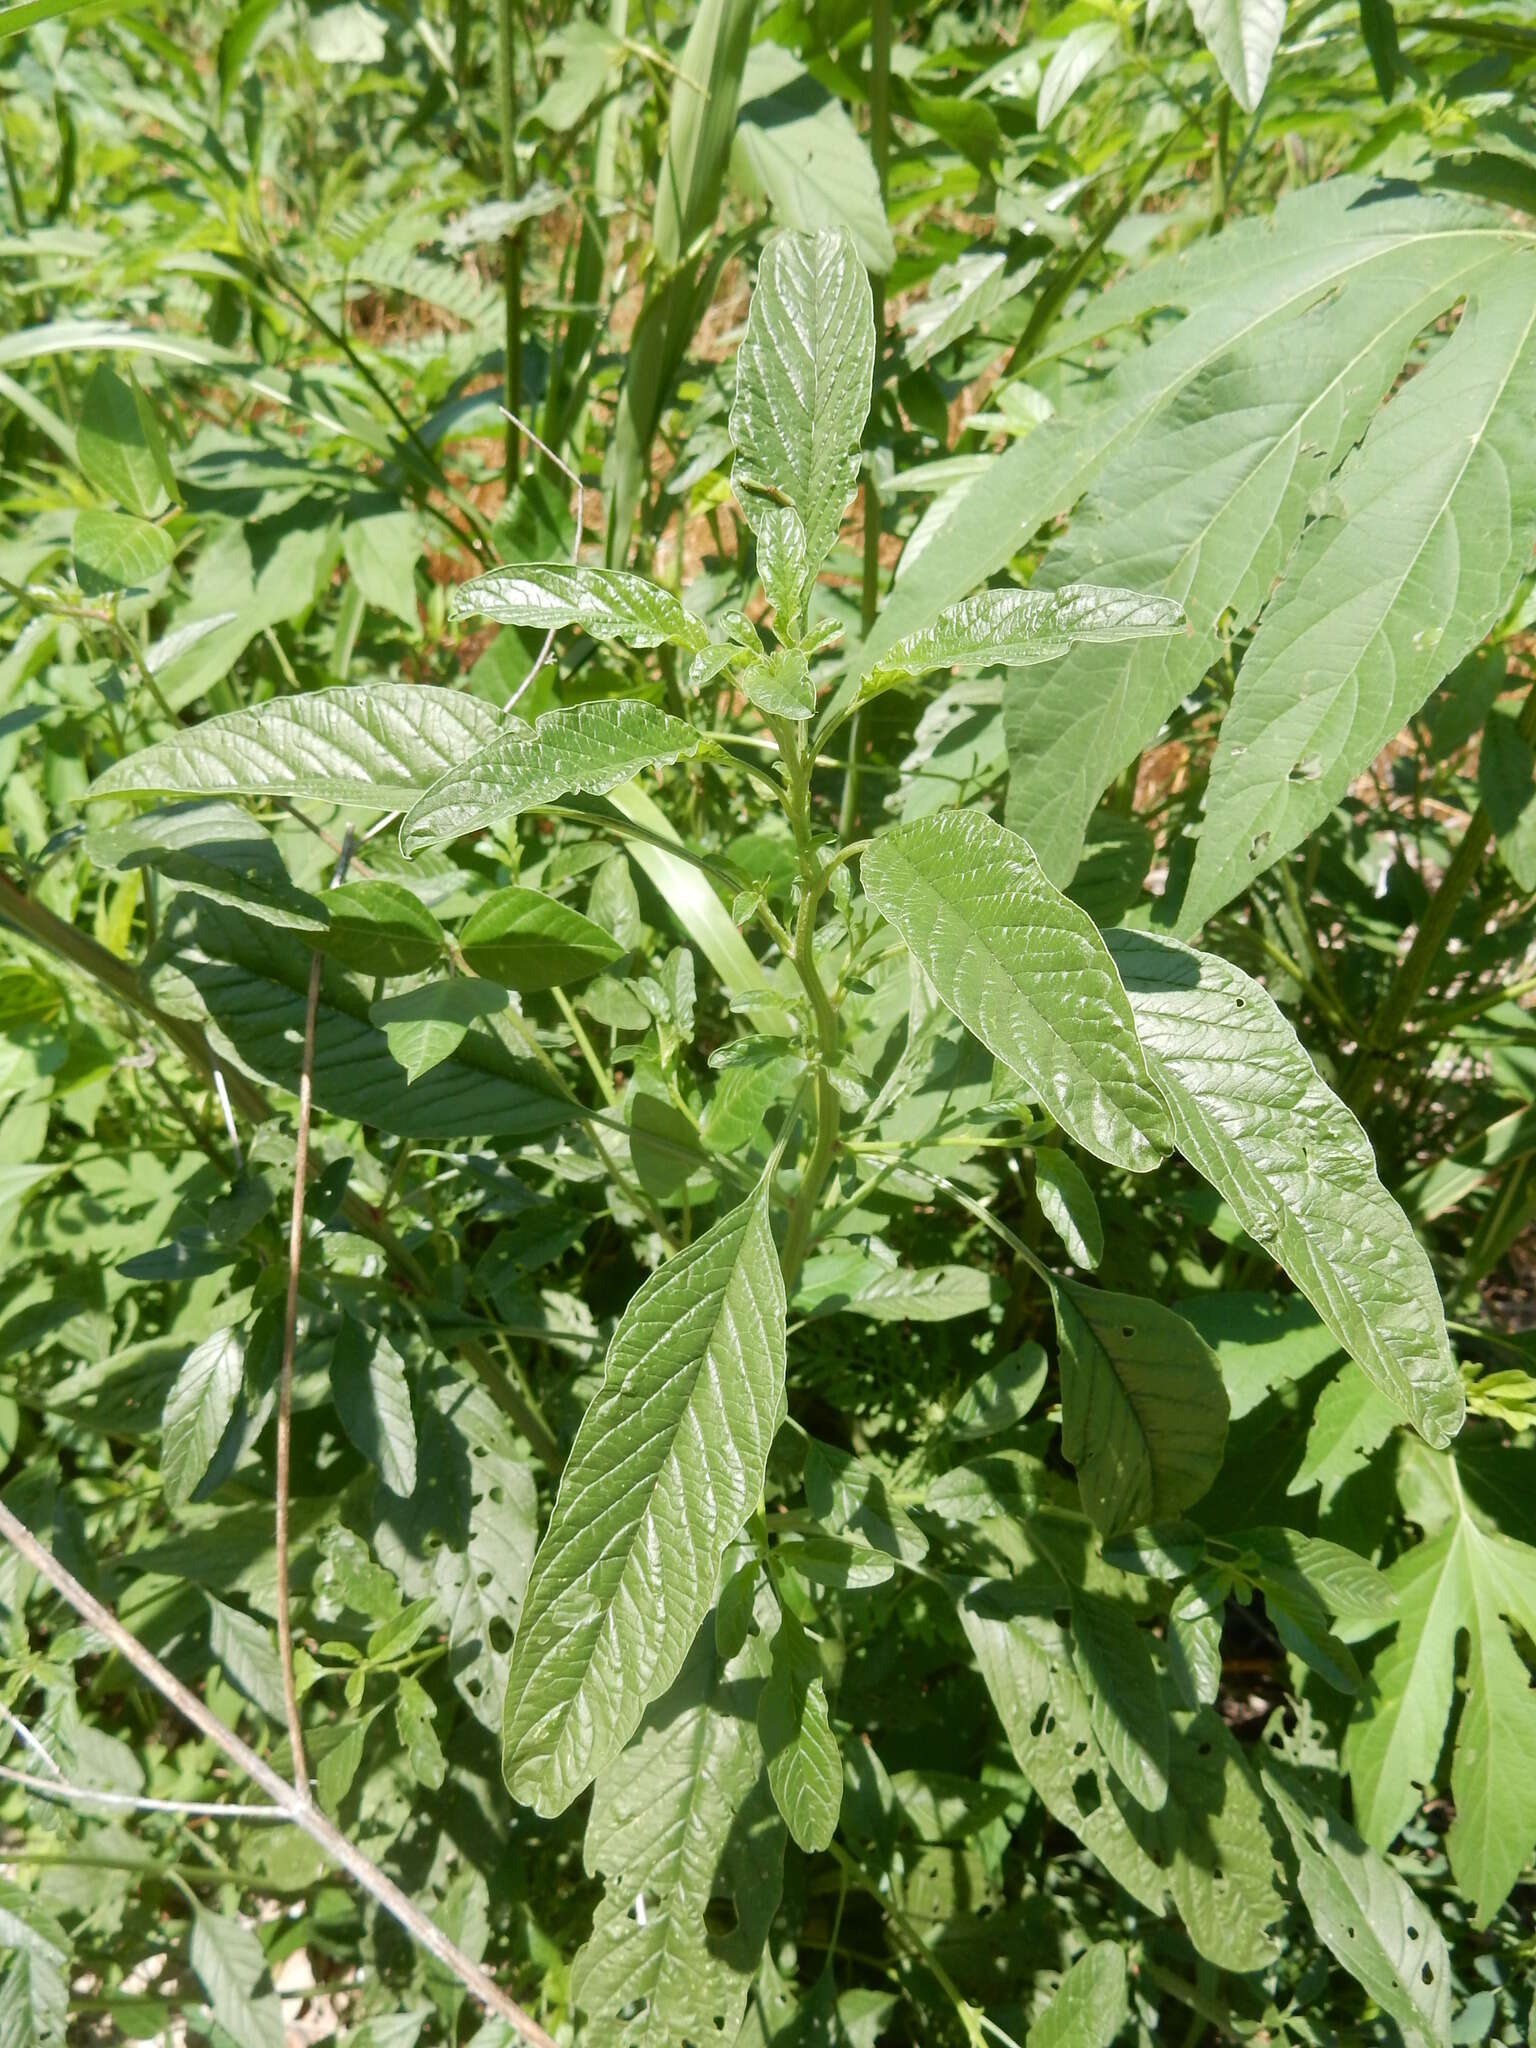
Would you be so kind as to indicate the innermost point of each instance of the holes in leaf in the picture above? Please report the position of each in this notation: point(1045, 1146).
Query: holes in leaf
point(1062, 1617)
point(1203, 1749)
point(1257, 845)
point(721, 1919)
point(1042, 1713)
point(1426, 1975)
point(1127, 1331)
point(1085, 1790)
point(499, 1635)
point(1413, 1934)
point(1079, 1749)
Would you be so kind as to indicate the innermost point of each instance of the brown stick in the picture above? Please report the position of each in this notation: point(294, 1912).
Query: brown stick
point(294, 1800)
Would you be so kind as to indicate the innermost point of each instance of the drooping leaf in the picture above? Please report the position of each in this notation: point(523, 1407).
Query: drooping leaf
point(527, 941)
point(1091, 2004)
point(197, 1411)
point(1143, 1408)
point(217, 849)
point(587, 750)
point(802, 386)
point(683, 1817)
point(1242, 35)
point(1429, 534)
point(608, 604)
point(1026, 971)
point(375, 747)
point(1252, 1114)
point(805, 1767)
point(666, 1466)
point(373, 1400)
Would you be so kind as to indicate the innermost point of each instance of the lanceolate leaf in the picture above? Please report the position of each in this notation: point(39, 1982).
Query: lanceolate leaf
point(1252, 1114)
point(802, 386)
point(1242, 35)
point(1026, 971)
point(528, 942)
point(608, 604)
point(374, 748)
point(666, 1467)
point(1143, 1408)
point(373, 1399)
point(805, 1767)
point(1091, 2005)
point(587, 750)
point(683, 1818)
point(1012, 628)
point(1430, 537)
point(197, 1411)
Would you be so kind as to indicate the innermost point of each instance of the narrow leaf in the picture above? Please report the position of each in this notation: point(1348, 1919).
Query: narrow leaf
point(197, 1412)
point(373, 1400)
point(805, 1767)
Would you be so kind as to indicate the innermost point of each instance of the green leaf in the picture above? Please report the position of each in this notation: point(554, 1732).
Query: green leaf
point(608, 604)
point(414, 1724)
point(1001, 1483)
point(425, 1026)
point(1426, 539)
point(380, 928)
point(1012, 628)
point(197, 1411)
point(1506, 785)
point(34, 1971)
point(684, 1819)
point(797, 148)
point(1352, 1419)
point(1091, 2004)
point(381, 542)
point(783, 565)
point(1213, 1838)
point(373, 1400)
point(962, 296)
point(1066, 1201)
point(115, 551)
point(1143, 1408)
point(1002, 1396)
point(1252, 1114)
point(805, 1766)
point(667, 1465)
point(528, 942)
point(780, 684)
point(1026, 971)
point(218, 850)
point(1242, 35)
point(587, 750)
point(231, 1966)
point(1075, 59)
point(373, 748)
point(248, 1653)
point(248, 985)
point(849, 1494)
point(120, 447)
point(802, 388)
point(1115, 1664)
point(1460, 1583)
point(1370, 1919)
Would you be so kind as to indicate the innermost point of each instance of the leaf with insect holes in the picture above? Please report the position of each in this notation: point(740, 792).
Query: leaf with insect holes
point(374, 748)
point(1012, 628)
point(1253, 1115)
point(587, 750)
point(607, 604)
point(1143, 1408)
point(667, 1465)
point(803, 377)
point(527, 941)
point(1026, 971)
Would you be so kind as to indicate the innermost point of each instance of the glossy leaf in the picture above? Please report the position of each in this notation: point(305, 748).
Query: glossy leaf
point(665, 1469)
point(1066, 1201)
point(607, 604)
point(805, 1768)
point(527, 941)
point(1026, 971)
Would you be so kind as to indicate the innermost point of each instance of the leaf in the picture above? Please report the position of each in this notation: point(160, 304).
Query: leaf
point(1076, 57)
point(1352, 1418)
point(248, 1654)
point(248, 984)
point(587, 750)
point(1370, 1919)
point(217, 849)
point(805, 1767)
point(848, 1494)
point(1091, 2004)
point(1506, 785)
point(1461, 1582)
point(1429, 534)
point(425, 1026)
point(1066, 1201)
point(414, 1711)
point(1252, 1114)
point(1213, 1838)
point(1002, 1396)
point(803, 377)
point(119, 445)
point(1243, 36)
point(231, 1966)
point(379, 927)
point(683, 1819)
point(34, 1971)
point(198, 1410)
point(1143, 1409)
point(115, 551)
point(962, 296)
point(527, 941)
point(608, 604)
point(372, 748)
point(373, 1400)
point(1012, 628)
point(667, 1464)
point(1026, 971)
point(1000, 1483)
point(796, 146)
point(1114, 1661)
point(780, 684)
point(891, 1294)
point(381, 542)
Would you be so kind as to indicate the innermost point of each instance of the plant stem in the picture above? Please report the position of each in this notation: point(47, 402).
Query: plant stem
point(1418, 963)
point(813, 880)
point(511, 245)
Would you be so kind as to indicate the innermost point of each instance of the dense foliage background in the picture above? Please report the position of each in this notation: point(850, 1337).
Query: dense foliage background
point(1233, 306)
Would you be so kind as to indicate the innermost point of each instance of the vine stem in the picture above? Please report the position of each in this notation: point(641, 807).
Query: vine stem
point(294, 1800)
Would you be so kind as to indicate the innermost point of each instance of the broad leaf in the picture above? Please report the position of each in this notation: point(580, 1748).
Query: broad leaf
point(780, 684)
point(1252, 1114)
point(373, 1400)
point(1091, 2004)
point(1427, 537)
point(197, 1412)
point(218, 850)
point(1143, 1408)
point(805, 1767)
point(797, 147)
point(120, 447)
point(34, 1971)
point(380, 928)
point(1026, 971)
point(527, 941)
point(1242, 35)
point(587, 750)
point(426, 1025)
point(667, 1464)
point(608, 604)
point(802, 387)
point(1114, 1661)
point(373, 748)
point(115, 551)
point(1003, 1395)
point(684, 1819)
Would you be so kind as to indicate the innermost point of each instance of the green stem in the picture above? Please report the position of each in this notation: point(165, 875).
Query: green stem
point(511, 246)
point(1219, 168)
point(813, 879)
